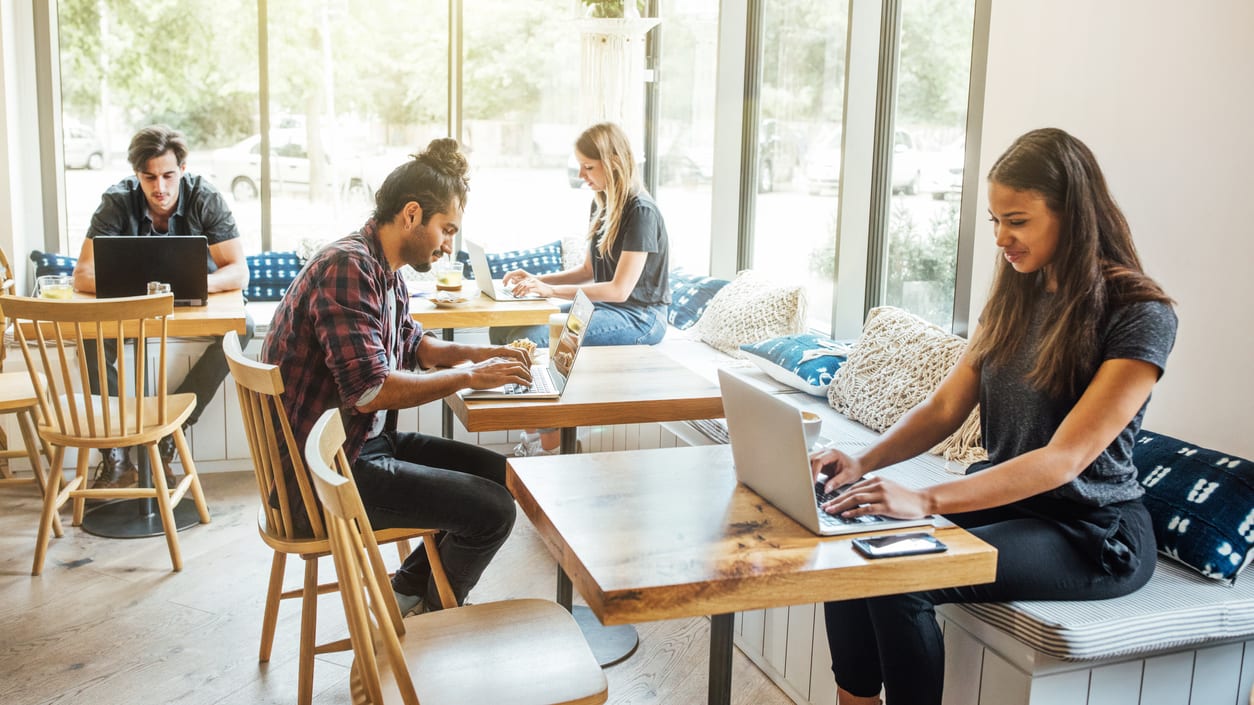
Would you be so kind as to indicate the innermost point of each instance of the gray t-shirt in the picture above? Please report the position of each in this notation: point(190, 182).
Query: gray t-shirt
point(1015, 418)
point(642, 230)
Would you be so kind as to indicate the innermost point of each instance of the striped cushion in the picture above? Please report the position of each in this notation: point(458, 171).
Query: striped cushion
point(1176, 608)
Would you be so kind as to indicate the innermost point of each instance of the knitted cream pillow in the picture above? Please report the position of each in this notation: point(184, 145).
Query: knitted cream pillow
point(896, 363)
point(752, 307)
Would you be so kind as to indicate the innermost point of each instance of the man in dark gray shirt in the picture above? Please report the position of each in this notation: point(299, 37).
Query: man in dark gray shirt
point(163, 199)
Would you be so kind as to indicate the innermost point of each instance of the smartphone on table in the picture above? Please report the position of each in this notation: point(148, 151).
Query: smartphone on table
point(898, 545)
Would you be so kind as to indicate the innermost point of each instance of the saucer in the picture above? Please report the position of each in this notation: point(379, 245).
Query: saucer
point(446, 299)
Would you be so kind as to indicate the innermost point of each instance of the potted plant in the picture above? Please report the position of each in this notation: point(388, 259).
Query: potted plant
point(610, 8)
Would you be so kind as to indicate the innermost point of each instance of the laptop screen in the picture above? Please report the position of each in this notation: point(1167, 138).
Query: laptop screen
point(563, 357)
point(125, 265)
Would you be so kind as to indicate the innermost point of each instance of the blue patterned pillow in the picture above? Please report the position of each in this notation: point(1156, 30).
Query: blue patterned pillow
point(544, 259)
point(690, 294)
point(804, 361)
point(1201, 501)
point(52, 263)
point(270, 274)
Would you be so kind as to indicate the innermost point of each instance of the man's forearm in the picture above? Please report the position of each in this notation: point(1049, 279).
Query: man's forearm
point(403, 389)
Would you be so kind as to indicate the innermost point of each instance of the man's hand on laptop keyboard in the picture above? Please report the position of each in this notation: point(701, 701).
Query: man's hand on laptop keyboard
point(499, 371)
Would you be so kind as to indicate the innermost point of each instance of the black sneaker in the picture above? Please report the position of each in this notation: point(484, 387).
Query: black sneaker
point(115, 470)
point(166, 448)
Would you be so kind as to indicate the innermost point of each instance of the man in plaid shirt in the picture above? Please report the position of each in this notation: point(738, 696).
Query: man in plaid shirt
point(343, 338)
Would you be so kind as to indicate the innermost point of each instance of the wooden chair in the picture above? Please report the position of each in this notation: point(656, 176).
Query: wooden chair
point(52, 334)
point(260, 388)
point(512, 652)
point(17, 397)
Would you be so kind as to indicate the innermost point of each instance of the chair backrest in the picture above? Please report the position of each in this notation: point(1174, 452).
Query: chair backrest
point(59, 329)
point(260, 388)
point(369, 605)
point(7, 288)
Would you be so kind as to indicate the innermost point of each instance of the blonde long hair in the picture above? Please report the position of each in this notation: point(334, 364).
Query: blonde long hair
point(606, 143)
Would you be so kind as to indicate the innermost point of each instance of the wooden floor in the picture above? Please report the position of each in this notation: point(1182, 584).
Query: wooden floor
point(109, 623)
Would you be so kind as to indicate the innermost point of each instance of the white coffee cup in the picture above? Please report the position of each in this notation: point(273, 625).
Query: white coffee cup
point(812, 424)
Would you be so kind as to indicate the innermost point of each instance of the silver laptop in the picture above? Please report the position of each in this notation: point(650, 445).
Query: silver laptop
point(125, 265)
point(769, 450)
point(548, 381)
point(493, 288)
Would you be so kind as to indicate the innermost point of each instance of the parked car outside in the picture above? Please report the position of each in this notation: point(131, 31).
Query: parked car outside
point(821, 166)
point(943, 175)
point(238, 168)
point(82, 149)
point(690, 159)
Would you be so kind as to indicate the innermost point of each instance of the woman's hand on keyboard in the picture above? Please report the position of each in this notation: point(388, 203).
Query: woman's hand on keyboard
point(840, 468)
point(498, 371)
point(875, 495)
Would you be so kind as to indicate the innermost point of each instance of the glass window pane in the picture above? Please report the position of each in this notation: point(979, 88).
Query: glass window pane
point(685, 130)
point(933, 76)
point(803, 69)
point(520, 93)
point(200, 79)
point(348, 104)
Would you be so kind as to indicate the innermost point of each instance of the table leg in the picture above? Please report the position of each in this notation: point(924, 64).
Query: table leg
point(610, 645)
point(721, 628)
point(136, 518)
point(446, 420)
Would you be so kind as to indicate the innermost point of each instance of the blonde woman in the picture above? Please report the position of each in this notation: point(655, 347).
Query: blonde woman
point(625, 273)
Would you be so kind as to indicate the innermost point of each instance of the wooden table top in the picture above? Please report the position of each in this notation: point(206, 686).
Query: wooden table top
point(618, 384)
point(481, 311)
point(224, 312)
point(667, 533)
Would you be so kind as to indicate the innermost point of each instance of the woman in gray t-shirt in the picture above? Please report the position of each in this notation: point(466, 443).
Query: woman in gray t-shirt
point(625, 272)
point(1071, 342)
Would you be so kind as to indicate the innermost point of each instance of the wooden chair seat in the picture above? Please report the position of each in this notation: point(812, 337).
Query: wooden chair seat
point(450, 651)
point(51, 335)
point(18, 397)
point(514, 652)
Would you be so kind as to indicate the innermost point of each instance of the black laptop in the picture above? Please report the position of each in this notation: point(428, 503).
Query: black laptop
point(125, 265)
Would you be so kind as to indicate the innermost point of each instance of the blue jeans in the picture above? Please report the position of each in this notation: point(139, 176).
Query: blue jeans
point(1047, 549)
point(611, 324)
point(409, 480)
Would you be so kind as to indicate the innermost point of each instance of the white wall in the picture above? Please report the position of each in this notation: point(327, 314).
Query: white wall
point(1162, 92)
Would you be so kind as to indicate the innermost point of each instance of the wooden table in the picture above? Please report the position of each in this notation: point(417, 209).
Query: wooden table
point(480, 312)
point(669, 533)
point(608, 385)
point(137, 518)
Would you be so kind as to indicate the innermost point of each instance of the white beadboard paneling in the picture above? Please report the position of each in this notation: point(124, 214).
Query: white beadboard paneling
point(797, 658)
point(620, 438)
point(822, 682)
point(775, 638)
point(1116, 684)
point(1167, 679)
point(964, 662)
point(650, 435)
point(430, 418)
point(1217, 674)
point(487, 438)
point(1071, 688)
point(631, 437)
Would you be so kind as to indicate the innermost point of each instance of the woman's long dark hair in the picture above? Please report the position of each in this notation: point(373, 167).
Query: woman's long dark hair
point(1096, 265)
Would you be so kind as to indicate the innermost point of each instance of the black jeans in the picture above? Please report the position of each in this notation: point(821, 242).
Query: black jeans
point(409, 480)
point(204, 378)
point(1047, 549)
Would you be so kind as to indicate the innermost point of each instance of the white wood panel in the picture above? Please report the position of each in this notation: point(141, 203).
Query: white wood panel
point(620, 438)
point(1003, 684)
point(800, 647)
point(1116, 684)
point(1167, 679)
point(1216, 674)
point(754, 630)
point(775, 638)
point(650, 435)
point(631, 437)
point(964, 661)
point(822, 682)
point(1247, 675)
point(429, 417)
point(1070, 688)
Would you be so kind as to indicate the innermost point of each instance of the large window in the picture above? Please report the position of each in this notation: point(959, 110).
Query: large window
point(934, 69)
point(798, 147)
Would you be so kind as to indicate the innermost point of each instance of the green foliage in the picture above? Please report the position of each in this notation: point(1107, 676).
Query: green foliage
point(609, 8)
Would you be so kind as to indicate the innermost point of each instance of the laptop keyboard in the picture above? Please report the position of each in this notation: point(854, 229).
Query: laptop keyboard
point(540, 384)
point(833, 520)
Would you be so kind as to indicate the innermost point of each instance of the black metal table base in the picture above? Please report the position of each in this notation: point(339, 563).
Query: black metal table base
point(130, 519)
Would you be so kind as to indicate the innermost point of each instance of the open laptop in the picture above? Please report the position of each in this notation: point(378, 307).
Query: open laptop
point(771, 457)
point(492, 288)
point(125, 265)
point(548, 381)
